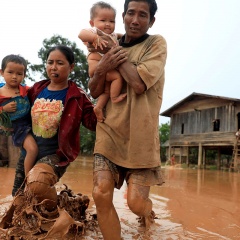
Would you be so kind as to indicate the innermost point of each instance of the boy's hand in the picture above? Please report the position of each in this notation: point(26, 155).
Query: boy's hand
point(10, 107)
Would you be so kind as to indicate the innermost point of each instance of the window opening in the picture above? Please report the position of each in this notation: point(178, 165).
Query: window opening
point(216, 125)
point(182, 129)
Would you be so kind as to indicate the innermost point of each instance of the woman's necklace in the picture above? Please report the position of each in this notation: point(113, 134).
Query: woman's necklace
point(15, 91)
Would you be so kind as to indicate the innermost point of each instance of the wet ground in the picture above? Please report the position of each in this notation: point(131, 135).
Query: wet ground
point(192, 204)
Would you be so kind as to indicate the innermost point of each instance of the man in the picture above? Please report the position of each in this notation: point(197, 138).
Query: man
point(127, 143)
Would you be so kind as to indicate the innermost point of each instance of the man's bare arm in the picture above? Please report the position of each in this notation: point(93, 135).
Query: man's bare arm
point(97, 82)
point(111, 60)
point(131, 76)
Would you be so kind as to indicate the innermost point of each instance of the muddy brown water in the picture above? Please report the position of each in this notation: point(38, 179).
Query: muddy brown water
point(192, 204)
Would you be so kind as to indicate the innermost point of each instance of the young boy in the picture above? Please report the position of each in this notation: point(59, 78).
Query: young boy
point(102, 21)
point(15, 107)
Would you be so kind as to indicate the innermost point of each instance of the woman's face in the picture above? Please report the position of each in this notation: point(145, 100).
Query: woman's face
point(137, 20)
point(58, 68)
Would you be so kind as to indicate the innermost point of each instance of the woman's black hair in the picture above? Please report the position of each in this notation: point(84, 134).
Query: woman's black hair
point(66, 51)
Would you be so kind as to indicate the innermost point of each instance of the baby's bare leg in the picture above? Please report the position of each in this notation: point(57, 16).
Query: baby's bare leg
point(101, 103)
point(116, 86)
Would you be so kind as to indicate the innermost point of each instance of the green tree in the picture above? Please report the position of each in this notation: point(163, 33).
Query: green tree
point(28, 73)
point(80, 72)
point(164, 131)
point(87, 141)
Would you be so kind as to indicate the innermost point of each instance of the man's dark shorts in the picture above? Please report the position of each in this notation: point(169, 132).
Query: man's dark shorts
point(143, 177)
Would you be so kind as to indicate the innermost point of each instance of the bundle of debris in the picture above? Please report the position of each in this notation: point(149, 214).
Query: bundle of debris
point(26, 218)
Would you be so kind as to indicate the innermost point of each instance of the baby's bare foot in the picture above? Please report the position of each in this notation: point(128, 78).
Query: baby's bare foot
point(99, 114)
point(118, 98)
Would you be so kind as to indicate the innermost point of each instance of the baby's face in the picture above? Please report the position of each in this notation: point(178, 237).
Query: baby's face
point(104, 20)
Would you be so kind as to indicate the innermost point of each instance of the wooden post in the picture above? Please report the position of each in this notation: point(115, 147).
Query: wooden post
point(204, 158)
point(199, 155)
point(180, 157)
point(169, 152)
point(218, 159)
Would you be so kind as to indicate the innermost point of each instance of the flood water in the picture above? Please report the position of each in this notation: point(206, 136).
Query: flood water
point(192, 204)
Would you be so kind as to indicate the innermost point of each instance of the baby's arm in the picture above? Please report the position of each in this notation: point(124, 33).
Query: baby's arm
point(91, 37)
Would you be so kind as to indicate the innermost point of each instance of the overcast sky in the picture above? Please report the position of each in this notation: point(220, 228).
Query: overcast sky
point(203, 38)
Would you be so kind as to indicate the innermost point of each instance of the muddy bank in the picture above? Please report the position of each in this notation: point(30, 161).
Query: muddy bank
point(192, 204)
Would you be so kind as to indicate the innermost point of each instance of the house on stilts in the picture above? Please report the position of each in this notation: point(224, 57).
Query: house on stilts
point(205, 122)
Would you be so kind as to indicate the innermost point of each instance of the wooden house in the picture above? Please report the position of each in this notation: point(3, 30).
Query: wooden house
point(205, 122)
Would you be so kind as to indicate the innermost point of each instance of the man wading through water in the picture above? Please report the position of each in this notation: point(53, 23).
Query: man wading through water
point(127, 143)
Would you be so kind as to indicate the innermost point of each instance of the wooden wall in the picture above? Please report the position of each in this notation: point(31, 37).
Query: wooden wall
point(202, 121)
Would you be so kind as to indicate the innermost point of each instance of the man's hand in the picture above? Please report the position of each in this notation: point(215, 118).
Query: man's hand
point(113, 58)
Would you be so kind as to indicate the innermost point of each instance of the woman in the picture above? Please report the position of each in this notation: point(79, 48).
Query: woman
point(58, 109)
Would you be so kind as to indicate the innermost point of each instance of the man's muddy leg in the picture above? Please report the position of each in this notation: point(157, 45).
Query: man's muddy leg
point(140, 204)
point(106, 213)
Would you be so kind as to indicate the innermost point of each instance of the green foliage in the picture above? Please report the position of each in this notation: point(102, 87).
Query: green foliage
point(5, 123)
point(80, 73)
point(193, 155)
point(87, 140)
point(164, 131)
point(28, 73)
point(210, 156)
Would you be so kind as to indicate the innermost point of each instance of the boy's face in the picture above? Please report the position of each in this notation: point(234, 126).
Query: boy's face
point(13, 74)
point(104, 20)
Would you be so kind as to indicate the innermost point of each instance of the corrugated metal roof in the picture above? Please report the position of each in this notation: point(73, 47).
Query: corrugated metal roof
point(194, 96)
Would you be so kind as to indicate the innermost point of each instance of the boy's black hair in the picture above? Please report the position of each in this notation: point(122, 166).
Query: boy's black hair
point(16, 59)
